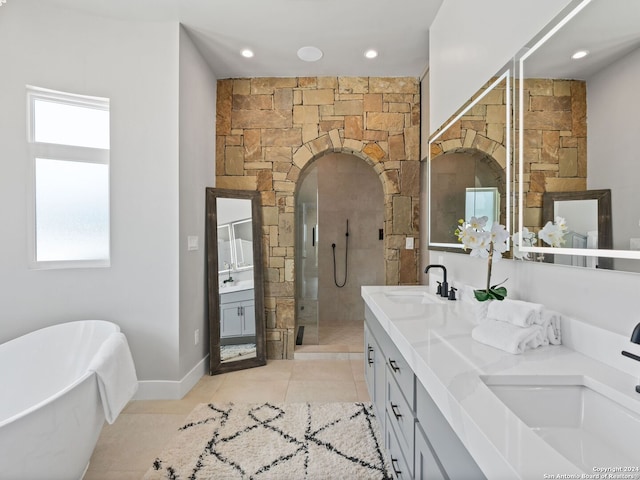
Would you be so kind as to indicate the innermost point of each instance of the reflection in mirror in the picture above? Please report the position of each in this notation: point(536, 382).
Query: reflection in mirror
point(589, 227)
point(236, 301)
point(469, 170)
point(224, 248)
point(243, 241)
point(576, 123)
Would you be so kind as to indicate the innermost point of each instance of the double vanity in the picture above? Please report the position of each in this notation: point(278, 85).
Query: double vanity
point(450, 407)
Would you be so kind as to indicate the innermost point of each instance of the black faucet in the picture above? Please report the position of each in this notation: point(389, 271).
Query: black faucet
point(635, 338)
point(443, 288)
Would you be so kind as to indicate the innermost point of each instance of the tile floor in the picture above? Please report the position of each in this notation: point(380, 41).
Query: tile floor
point(345, 339)
point(127, 448)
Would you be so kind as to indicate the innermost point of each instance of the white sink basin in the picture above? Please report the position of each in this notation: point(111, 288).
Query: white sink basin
point(587, 427)
point(416, 296)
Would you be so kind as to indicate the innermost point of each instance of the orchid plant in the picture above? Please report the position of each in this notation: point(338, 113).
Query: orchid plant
point(489, 244)
point(552, 234)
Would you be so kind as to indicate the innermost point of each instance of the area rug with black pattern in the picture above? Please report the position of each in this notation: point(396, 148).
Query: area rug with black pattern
point(283, 441)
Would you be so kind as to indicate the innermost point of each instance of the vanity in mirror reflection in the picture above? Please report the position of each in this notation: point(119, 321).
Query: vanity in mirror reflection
point(236, 298)
point(576, 124)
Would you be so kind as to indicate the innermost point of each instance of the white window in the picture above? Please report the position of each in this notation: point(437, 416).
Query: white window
point(69, 152)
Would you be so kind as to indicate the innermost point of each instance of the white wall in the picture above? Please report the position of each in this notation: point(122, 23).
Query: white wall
point(135, 64)
point(197, 171)
point(604, 298)
point(612, 102)
point(469, 41)
point(466, 49)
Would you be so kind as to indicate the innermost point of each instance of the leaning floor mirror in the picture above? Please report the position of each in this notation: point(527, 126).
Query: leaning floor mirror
point(235, 287)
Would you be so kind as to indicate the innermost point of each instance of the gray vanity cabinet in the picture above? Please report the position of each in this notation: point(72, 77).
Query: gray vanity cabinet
point(443, 443)
point(427, 464)
point(420, 442)
point(237, 314)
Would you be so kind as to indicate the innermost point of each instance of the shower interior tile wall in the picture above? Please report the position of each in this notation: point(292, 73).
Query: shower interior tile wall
point(350, 189)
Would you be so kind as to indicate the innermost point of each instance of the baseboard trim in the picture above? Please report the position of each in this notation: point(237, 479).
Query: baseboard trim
point(172, 389)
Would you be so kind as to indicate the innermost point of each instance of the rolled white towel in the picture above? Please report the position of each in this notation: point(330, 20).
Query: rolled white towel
point(550, 323)
point(515, 312)
point(508, 337)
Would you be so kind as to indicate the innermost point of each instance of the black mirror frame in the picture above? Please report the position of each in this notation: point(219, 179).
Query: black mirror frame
point(215, 364)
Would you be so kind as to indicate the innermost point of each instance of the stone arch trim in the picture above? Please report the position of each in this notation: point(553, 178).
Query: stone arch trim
point(471, 141)
point(332, 143)
point(400, 210)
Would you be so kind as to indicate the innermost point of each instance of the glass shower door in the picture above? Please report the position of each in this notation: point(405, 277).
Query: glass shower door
point(307, 262)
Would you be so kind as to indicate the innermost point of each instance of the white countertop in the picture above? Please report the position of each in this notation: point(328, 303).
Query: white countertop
point(236, 287)
point(435, 339)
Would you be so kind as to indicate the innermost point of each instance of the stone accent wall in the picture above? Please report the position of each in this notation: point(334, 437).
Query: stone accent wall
point(269, 129)
point(555, 142)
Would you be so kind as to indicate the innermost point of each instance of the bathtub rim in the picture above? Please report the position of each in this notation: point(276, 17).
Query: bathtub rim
point(63, 391)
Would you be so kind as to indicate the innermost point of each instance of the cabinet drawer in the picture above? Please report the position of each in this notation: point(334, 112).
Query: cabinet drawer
point(399, 466)
point(400, 416)
point(238, 296)
point(399, 370)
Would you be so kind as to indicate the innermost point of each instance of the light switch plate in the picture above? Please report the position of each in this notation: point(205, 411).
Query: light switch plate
point(192, 242)
point(408, 244)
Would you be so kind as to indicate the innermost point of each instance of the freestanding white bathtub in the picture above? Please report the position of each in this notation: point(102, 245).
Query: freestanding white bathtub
point(50, 408)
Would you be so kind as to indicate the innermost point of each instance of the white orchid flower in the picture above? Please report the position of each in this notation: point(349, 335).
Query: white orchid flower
point(478, 223)
point(499, 234)
point(561, 223)
point(552, 234)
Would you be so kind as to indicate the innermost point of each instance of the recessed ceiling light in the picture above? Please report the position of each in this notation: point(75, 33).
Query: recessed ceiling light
point(310, 54)
point(580, 54)
point(247, 53)
point(371, 53)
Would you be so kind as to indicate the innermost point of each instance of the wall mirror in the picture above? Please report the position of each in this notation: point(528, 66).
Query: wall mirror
point(577, 125)
point(235, 281)
point(469, 165)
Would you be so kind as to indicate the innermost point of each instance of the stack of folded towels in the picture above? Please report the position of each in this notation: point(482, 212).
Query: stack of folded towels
point(515, 326)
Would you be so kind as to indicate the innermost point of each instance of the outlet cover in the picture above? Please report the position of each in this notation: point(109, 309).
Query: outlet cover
point(408, 243)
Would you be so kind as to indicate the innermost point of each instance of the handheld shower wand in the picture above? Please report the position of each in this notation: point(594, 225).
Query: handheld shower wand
point(346, 253)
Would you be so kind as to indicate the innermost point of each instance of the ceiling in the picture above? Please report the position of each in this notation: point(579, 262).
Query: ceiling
point(607, 30)
point(276, 29)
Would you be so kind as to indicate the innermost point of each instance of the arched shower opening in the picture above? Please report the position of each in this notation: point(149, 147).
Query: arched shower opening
point(339, 215)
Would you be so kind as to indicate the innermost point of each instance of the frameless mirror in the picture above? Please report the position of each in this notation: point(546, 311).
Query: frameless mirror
point(236, 294)
point(469, 165)
point(576, 124)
